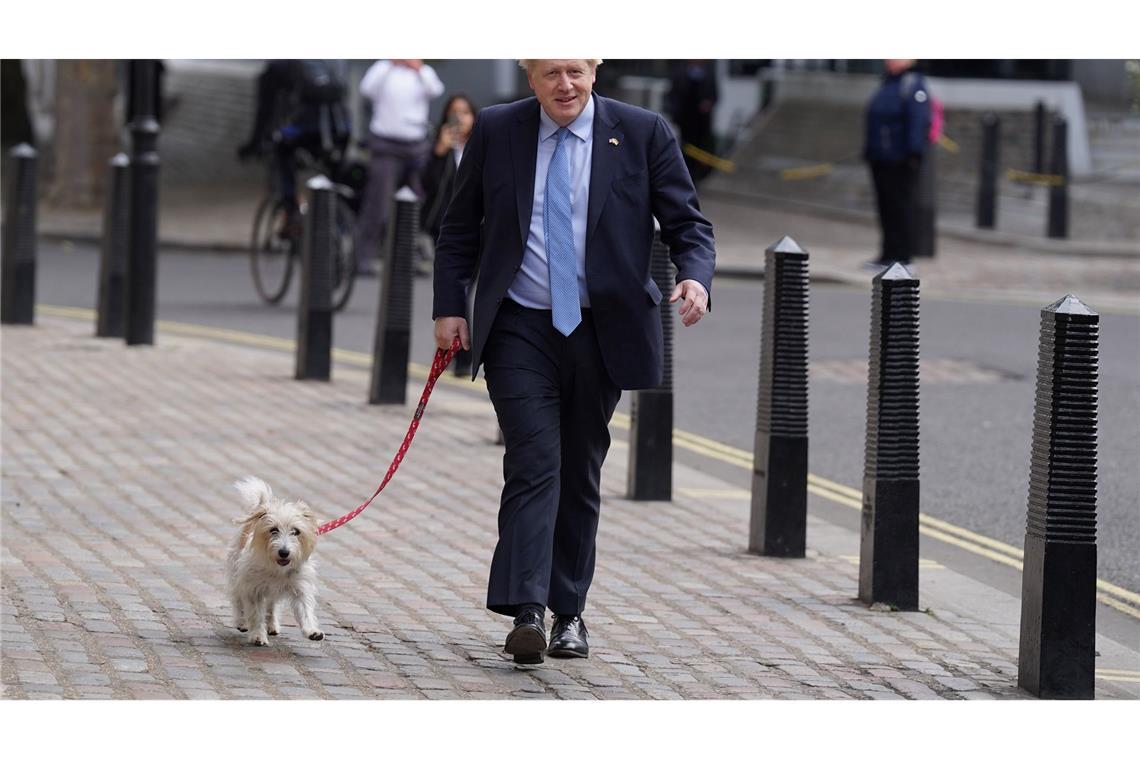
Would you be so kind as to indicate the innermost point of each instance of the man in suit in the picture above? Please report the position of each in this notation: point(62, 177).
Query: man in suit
point(552, 218)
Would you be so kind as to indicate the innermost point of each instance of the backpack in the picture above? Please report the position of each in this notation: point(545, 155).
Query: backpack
point(319, 81)
point(937, 118)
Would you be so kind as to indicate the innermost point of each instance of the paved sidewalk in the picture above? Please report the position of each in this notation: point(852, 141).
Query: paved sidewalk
point(118, 510)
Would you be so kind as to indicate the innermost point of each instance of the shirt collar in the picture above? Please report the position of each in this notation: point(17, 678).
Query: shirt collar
point(582, 127)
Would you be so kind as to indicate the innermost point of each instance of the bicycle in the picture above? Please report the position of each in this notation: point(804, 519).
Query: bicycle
point(276, 239)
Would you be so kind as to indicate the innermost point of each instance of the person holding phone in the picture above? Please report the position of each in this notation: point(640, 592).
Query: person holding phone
point(457, 119)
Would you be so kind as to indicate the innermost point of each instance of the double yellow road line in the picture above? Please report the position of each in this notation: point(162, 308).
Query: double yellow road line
point(1114, 596)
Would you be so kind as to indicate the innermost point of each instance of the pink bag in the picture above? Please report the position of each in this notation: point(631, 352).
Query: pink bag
point(936, 119)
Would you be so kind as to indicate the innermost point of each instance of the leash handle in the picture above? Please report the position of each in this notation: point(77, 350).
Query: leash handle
point(443, 357)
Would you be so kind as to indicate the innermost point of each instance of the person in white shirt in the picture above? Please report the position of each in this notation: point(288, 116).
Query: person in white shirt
point(401, 91)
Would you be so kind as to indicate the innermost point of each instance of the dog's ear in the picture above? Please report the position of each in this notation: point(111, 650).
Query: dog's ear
point(248, 523)
point(255, 493)
point(307, 511)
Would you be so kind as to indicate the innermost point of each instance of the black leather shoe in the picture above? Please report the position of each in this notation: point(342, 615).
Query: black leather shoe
point(568, 637)
point(527, 640)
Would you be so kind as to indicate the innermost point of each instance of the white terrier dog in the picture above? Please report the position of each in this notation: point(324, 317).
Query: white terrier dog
point(270, 562)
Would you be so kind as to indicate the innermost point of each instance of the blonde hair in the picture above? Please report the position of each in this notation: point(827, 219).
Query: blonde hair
point(527, 63)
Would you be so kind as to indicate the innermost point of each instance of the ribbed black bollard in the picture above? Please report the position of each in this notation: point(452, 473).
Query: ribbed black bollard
point(110, 318)
point(1039, 137)
point(18, 262)
point(926, 205)
point(315, 309)
point(778, 526)
point(394, 323)
point(650, 472)
point(1059, 191)
point(985, 216)
point(142, 259)
point(1058, 580)
point(888, 548)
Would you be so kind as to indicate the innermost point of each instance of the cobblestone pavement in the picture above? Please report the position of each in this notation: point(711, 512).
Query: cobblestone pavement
point(118, 510)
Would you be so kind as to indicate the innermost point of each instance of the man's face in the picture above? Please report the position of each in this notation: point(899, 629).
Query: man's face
point(897, 65)
point(562, 87)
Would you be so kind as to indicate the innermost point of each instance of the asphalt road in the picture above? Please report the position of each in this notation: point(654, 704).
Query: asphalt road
point(976, 399)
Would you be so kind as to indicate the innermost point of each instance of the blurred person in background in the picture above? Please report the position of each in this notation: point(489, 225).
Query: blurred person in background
point(692, 98)
point(400, 92)
point(439, 174)
point(897, 130)
point(300, 105)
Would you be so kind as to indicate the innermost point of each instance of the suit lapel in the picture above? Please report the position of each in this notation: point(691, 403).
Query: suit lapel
point(603, 162)
point(524, 154)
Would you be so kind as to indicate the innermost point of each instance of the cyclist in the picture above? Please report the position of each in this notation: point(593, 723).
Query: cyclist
point(300, 105)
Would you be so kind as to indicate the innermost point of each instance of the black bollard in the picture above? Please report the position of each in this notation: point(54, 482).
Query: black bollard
point(18, 264)
point(315, 309)
point(1039, 137)
point(110, 319)
point(1058, 583)
point(650, 472)
point(778, 526)
point(142, 259)
point(985, 216)
point(888, 547)
point(394, 322)
point(1059, 189)
point(926, 205)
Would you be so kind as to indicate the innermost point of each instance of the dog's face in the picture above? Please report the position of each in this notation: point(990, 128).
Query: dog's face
point(281, 532)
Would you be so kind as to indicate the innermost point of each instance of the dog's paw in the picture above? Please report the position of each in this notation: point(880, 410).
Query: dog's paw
point(258, 641)
point(316, 635)
point(243, 630)
point(272, 631)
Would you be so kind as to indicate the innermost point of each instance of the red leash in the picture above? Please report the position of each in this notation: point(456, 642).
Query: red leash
point(442, 359)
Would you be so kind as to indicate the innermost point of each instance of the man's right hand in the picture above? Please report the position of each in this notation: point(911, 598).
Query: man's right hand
point(446, 328)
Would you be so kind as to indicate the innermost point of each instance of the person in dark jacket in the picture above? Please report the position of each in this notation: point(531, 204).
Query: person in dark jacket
point(438, 177)
point(898, 124)
point(552, 214)
point(692, 98)
point(300, 105)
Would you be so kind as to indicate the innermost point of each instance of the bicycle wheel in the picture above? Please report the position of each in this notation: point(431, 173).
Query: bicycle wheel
point(273, 247)
point(344, 257)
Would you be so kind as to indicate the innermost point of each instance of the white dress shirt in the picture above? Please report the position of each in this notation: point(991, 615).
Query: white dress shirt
point(531, 286)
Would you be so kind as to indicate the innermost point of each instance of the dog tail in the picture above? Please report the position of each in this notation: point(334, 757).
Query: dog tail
point(254, 492)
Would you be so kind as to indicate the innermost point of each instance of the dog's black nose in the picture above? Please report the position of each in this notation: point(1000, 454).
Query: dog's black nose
point(282, 553)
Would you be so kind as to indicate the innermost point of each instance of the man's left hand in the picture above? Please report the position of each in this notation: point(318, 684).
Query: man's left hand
point(695, 301)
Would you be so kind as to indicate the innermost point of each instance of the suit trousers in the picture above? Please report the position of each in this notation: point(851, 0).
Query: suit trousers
point(554, 399)
point(896, 190)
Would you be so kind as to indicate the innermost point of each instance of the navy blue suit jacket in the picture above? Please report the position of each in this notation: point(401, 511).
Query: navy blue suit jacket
point(640, 177)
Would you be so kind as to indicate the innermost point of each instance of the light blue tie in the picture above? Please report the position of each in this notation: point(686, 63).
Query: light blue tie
point(556, 228)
